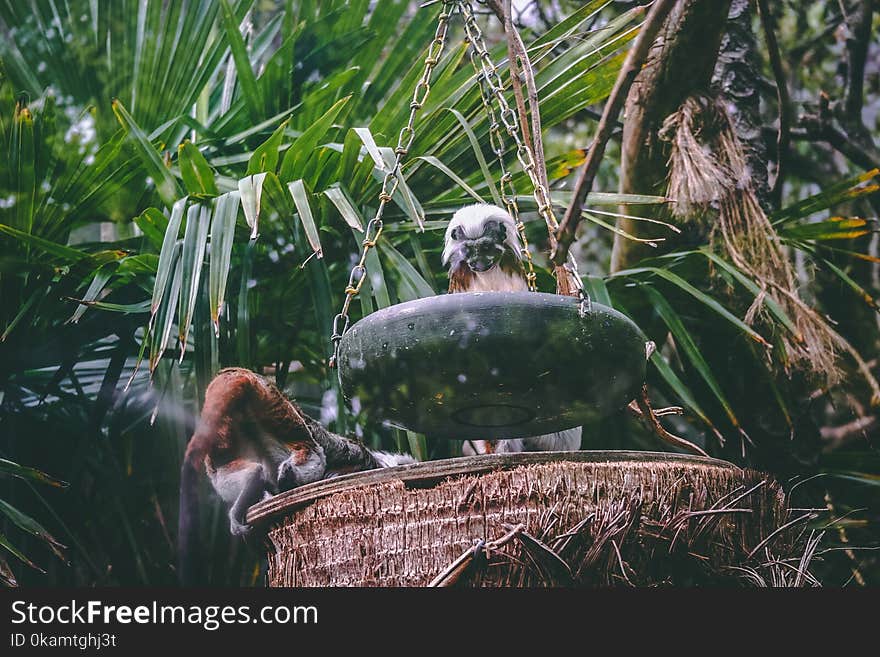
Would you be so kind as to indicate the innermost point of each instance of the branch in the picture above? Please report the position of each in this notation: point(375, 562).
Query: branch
point(534, 108)
point(631, 67)
point(516, 55)
point(858, 39)
point(818, 170)
point(520, 64)
point(822, 127)
point(542, 15)
point(838, 435)
point(451, 574)
point(641, 408)
point(518, 60)
point(513, 63)
point(797, 52)
point(784, 101)
point(847, 134)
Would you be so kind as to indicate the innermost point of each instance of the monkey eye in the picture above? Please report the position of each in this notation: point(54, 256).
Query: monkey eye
point(455, 234)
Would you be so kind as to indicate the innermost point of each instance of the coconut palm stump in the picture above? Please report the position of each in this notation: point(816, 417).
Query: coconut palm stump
point(531, 519)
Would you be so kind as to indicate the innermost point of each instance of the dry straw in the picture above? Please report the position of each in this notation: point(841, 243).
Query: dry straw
point(600, 520)
point(709, 178)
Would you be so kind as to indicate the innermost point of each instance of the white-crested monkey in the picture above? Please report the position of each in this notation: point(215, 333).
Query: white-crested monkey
point(483, 253)
point(253, 442)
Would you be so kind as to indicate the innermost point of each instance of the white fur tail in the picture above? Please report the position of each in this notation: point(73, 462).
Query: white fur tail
point(389, 460)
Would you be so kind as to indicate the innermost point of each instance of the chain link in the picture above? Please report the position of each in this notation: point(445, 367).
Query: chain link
point(391, 181)
point(491, 87)
point(490, 80)
point(505, 183)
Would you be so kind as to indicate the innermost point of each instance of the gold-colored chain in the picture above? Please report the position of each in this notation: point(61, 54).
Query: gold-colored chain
point(488, 75)
point(392, 177)
point(491, 88)
point(505, 184)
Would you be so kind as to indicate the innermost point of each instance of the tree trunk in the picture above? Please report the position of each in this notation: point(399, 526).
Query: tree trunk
point(548, 519)
point(681, 63)
point(738, 76)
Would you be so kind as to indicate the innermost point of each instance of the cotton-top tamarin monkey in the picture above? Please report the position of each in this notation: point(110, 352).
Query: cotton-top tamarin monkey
point(483, 253)
point(253, 442)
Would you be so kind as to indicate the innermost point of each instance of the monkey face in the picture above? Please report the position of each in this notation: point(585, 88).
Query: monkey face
point(483, 252)
point(479, 237)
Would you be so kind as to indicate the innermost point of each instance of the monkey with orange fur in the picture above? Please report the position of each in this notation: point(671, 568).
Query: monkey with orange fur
point(253, 443)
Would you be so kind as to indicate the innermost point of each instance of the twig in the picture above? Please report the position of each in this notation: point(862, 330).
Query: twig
point(779, 530)
point(631, 67)
point(797, 52)
point(567, 537)
point(513, 63)
point(816, 127)
point(545, 558)
point(853, 140)
point(711, 512)
point(645, 412)
point(838, 435)
point(449, 575)
point(540, 12)
point(466, 495)
point(748, 492)
point(621, 563)
point(453, 571)
point(841, 533)
point(783, 138)
point(668, 410)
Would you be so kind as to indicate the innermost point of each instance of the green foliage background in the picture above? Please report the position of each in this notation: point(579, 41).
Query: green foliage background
point(119, 119)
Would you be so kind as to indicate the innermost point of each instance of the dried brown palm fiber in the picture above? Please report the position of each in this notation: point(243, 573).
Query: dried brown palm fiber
point(709, 177)
point(698, 178)
point(532, 519)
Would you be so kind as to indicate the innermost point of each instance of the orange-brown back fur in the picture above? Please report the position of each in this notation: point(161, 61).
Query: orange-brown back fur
point(252, 442)
point(239, 407)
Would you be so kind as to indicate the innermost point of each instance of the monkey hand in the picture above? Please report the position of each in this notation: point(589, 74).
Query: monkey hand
point(239, 526)
point(303, 466)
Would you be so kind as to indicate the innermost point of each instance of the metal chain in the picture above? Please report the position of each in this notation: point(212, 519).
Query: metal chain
point(489, 76)
point(392, 178)
point(505, 184)
point(491, 87)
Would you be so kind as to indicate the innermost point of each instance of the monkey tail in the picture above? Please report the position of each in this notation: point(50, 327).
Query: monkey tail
point(231, 391)
point(188, 517)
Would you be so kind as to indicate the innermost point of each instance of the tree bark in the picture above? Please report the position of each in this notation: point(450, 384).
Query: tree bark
point(681, 63)
point(737, 77)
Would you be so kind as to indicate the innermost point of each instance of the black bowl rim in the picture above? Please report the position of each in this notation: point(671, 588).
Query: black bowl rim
point(475, 301)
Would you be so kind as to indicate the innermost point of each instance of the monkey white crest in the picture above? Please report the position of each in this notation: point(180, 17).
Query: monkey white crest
point(483, 252)
point(469, 222)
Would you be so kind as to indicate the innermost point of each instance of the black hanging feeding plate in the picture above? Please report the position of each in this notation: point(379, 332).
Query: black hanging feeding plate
point(481, 365)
